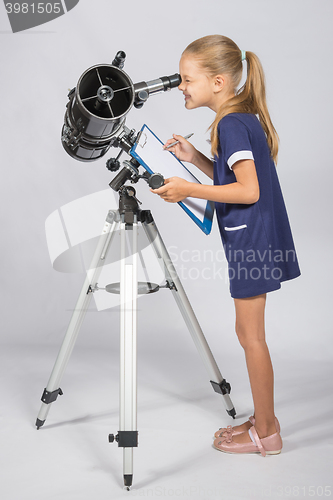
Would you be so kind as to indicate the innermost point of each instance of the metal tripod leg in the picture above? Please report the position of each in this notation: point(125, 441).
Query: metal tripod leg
point(218, 382)
point(128, 435)
point(52, 389)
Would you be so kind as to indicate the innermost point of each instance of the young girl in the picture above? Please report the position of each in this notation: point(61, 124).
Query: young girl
point(250, 210)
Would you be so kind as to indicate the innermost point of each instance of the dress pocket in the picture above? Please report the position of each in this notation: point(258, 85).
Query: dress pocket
point(238, 243)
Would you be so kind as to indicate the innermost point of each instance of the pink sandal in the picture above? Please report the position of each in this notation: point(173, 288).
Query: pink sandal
point(270, 445)
point(230, 429)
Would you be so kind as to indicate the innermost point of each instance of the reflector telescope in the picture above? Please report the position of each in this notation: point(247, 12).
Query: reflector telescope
point(97, 107)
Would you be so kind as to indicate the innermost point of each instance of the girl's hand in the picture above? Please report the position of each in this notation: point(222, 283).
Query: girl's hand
point(175, 189)
point(184, 150)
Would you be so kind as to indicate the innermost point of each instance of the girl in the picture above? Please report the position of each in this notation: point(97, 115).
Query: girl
point(250, 210)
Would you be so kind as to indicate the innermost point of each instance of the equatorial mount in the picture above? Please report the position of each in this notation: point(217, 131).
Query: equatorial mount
point(130, 171)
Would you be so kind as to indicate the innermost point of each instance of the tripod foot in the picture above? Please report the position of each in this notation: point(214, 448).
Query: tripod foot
point(232, 412)
point(128, 478)
point(39, 423)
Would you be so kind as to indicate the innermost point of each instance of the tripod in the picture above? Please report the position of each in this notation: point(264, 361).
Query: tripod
point(127, 218)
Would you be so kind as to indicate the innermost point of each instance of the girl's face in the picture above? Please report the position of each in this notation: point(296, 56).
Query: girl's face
point(197, 86)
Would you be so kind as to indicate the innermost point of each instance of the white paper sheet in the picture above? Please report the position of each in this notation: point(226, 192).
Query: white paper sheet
point(158, 160)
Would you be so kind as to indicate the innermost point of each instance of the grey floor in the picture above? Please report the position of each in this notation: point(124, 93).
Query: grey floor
point(70, 457)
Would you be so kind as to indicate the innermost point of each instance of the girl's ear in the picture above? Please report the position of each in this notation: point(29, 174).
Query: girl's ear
point(219, 83)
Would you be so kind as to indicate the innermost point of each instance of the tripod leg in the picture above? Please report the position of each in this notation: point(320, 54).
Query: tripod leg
point(52, 390)
point(219, 384)
point(128, 435)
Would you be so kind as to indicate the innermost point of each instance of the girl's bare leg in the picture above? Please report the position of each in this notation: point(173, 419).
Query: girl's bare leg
point(250, 329)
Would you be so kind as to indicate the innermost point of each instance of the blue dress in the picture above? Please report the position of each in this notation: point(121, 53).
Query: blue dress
point(257, 238)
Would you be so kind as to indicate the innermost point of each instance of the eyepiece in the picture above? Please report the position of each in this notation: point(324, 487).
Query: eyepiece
point(161, 84)
point(172, 81)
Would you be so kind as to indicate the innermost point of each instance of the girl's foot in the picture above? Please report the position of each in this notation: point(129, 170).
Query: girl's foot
point(250, 442)
point(244, 437)
point(237, 429)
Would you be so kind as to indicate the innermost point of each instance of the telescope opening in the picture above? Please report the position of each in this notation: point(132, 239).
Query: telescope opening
point(96, 110)
point(104, 84)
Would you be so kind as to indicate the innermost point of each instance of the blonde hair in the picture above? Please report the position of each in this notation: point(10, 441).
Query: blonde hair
point(218, 55)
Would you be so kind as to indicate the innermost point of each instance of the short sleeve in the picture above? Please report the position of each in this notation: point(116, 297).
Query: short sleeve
point(235, 140)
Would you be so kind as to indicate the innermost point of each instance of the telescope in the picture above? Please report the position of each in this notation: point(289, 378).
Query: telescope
point(95, 121)
point(97, 108)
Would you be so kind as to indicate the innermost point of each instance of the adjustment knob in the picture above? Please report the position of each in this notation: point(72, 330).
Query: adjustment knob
point(113, 164)
point(141, 98)
point(156, 181)
point(113, 437)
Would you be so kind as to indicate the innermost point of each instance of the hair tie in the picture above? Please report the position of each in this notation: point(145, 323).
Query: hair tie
point(243, 55)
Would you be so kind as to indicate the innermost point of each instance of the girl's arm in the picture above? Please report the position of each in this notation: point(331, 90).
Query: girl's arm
point(204, 164)
point(245, 190)
point(185, 151)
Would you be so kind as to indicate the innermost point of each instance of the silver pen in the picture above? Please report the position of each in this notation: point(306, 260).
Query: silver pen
point(176, 142)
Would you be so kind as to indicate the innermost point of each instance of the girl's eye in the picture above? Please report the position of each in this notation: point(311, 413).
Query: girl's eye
point(187, 81)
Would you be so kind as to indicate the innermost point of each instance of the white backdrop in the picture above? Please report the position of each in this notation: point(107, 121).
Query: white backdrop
point(293, 39)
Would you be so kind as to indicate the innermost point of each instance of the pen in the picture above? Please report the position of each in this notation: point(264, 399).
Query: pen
point(176, 142)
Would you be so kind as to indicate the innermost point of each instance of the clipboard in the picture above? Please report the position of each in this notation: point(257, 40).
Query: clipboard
point(148, 151)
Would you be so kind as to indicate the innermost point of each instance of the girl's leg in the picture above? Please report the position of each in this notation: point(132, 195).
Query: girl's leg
point(250, 329)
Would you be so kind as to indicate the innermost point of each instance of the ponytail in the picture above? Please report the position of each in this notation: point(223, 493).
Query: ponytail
point(220, 55)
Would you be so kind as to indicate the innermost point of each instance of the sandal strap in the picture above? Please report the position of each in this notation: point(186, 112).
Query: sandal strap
point(277, 423)
point(256, 438)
